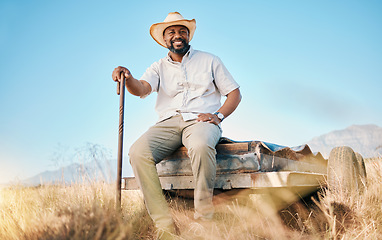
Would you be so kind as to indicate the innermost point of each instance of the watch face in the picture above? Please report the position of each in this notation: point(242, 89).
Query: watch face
point(221, 116)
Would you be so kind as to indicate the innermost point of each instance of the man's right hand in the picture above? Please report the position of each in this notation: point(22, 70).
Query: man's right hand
point(117, 73)
point(134, 86)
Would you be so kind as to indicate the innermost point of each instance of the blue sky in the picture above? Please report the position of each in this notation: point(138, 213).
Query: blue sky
point(305, 68)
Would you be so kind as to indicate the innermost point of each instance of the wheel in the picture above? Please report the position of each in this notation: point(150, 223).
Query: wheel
point(345, 173)
point(362, 170)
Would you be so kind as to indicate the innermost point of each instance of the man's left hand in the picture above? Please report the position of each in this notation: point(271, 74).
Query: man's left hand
point(208, 117)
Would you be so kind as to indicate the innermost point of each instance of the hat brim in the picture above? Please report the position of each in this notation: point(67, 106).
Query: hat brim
point(157, 29)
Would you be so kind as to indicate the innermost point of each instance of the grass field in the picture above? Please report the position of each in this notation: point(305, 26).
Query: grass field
point(88, 212)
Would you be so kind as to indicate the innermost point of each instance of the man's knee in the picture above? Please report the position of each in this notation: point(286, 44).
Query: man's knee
point(201, 148)
point(138, 153)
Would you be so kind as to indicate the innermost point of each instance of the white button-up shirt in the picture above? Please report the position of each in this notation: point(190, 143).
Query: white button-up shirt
point(191, 87)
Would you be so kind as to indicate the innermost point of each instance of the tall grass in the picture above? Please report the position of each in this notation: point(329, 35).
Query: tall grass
point(88, 212)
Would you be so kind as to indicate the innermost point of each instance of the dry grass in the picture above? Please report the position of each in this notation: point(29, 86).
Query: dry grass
point(88, 212)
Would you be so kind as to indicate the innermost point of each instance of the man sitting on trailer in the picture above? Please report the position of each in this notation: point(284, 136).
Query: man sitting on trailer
point(189, 84)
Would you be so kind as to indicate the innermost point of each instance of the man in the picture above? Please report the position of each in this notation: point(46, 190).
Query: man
point(189, 84)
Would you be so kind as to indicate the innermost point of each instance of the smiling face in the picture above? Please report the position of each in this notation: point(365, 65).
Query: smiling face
point(177, 39)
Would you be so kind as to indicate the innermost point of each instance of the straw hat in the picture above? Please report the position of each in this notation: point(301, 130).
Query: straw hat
point(172, 19)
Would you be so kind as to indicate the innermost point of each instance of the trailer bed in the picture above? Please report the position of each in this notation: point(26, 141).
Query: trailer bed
point(252, 165)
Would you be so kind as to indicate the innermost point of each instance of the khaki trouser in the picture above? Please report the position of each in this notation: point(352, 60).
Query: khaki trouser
point(162, 139)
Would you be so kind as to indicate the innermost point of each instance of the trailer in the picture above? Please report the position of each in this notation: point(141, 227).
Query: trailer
point(285, 173)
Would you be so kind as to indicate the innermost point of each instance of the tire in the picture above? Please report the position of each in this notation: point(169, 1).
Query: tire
point(362, 171)
point(344, 173)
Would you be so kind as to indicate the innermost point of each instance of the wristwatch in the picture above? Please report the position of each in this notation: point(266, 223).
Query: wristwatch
point(219, 115)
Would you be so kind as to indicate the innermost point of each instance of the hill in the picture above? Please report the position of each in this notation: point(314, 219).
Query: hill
point(76, 173)
point(365, 139)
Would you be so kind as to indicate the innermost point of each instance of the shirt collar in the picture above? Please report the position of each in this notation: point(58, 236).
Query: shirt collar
point(190, 52)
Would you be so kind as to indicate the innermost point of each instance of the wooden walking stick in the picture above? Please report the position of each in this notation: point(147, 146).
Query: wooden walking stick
point(121, 93)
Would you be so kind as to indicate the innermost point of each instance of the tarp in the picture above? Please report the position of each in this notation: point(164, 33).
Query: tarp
point(294, 153)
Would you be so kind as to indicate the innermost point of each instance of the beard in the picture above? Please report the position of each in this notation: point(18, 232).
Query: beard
point(182, 50)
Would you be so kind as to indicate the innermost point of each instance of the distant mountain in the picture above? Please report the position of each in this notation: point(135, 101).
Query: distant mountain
point(76, 173)
point(364, 139)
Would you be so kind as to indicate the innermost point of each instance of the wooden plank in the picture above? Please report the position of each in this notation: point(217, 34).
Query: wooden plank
point(258, 180)
point(228, 148)
point(129, 183)
point(233, 148)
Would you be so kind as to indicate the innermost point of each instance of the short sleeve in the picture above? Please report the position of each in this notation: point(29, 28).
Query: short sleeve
point(222, 77)
point(152, 77)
